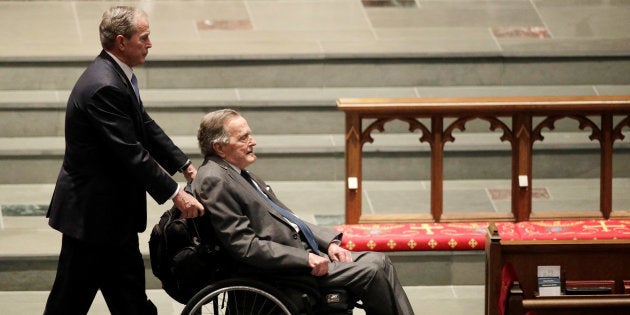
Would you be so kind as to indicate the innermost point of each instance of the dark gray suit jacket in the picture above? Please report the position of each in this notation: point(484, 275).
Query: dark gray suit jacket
point(115, 153)
point(249, 228)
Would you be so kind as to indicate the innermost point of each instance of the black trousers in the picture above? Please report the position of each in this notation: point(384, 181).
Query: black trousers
point(84, 268)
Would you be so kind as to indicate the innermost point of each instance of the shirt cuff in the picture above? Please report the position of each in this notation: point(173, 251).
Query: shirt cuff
point(183, 168)
point(175, 193)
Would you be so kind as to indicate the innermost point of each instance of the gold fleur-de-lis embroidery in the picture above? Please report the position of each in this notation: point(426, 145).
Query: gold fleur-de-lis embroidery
point(432, 243)
point(391, 244)
point(473, 243)
point(452, 243)
point(371, 244)
point(412, 244)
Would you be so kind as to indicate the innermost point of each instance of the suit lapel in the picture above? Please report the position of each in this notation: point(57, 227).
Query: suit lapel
point(264, 200)
point(249, 189)
point(137, 106)
point(121, 74)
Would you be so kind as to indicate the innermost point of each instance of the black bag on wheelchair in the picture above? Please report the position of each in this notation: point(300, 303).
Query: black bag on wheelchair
point(184, 259)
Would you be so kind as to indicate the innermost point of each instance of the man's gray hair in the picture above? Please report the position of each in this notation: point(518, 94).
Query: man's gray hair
point(118, 20)
point(212, 129)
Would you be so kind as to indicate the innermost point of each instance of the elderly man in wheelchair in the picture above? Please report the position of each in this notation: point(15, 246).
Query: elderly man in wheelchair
point(265, 258)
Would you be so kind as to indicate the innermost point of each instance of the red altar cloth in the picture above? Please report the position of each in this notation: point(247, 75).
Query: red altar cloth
point(413, 236)
point(573, 230)
point(472, 235)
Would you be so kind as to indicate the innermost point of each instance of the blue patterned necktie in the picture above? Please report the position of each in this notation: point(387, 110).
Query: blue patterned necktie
point(134, 83)
point(306, 231)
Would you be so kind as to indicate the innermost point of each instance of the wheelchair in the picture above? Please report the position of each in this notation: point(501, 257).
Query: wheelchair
point(270, 295)
point(196, 271)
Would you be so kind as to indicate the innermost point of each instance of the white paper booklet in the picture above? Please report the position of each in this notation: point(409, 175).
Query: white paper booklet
point(549, 281)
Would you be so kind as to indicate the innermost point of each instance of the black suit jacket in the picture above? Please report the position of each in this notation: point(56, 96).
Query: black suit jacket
point(248, 227)
point(115, 153)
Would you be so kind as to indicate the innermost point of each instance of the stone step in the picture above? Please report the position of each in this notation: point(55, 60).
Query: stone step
point(392, 156)
point(333, 44)
point(37, 273)
point(344, 70)
point(34, 113)
point(29, 247)
point(178, 111)
point(35, 270)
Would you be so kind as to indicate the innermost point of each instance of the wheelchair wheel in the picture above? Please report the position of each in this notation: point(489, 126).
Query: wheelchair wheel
point(239, 297)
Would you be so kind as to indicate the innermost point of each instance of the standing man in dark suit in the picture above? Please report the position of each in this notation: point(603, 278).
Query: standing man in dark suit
point(115, 154)
point(261, 233)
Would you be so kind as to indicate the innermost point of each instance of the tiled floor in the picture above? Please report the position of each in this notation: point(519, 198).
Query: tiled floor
point(307, 27)
point(434, 300)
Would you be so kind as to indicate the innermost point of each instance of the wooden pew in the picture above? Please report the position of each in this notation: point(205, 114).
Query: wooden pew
point(610, 304)
point(580, 260)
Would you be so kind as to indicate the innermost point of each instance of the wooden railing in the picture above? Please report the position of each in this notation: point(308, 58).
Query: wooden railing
point(521, 133)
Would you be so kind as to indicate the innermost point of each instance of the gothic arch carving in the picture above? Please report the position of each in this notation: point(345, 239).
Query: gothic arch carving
point(550, 122)
point(617, 130)
point(495, 124)
point(379, 125)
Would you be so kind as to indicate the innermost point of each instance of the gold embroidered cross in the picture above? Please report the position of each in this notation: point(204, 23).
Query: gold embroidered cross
point(604, 226)
point(452, 243)
point(391, 244)
point(472, 243)
point(432, 243)
point(350, 245)
point(427, 228)
point(371, 244)
point(412, 244)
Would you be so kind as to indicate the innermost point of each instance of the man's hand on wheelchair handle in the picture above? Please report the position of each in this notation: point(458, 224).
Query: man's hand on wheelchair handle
point(318, 264)
point(188, 205)
point(190, 173)
point(338, 253)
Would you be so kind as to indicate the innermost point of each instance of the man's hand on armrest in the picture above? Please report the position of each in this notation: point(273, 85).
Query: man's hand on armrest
point(188, 205)
point(318, 264)
point(338, 253)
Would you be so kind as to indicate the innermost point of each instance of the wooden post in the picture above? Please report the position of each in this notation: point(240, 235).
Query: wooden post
point(606, 167)
point(522, 166)
point(494, 263)
point(437, 167)
point(353, 168)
